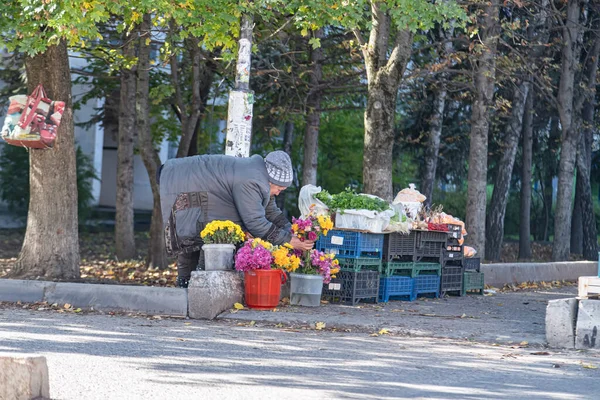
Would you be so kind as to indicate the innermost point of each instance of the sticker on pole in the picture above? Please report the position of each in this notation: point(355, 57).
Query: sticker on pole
point(339, 240)
point(335, 286)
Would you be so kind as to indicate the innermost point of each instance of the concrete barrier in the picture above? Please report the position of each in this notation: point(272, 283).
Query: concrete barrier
point(561, 318)
point(23, 377)
point(128, 298)
point(501, 274)
point(212, 292)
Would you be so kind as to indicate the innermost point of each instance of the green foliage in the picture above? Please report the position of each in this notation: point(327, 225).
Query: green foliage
point(341, 141)
point(349, 200)
point(454, 202)
point(14, 181)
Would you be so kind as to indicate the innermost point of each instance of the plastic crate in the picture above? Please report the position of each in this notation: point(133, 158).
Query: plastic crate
point(411, 269)
point(427, 284)
point(351, 287)
point(396, 245)
point(472, 264)
point(431, 236)
point(473, 281)
point(349, 244)
point(453, 255)
point(429, 250)
point(395, 286)
point(452, 279)
point(361, 264)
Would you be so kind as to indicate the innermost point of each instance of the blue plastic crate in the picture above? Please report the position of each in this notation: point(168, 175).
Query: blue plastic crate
point(396, 286)
point(350, 244)
point(427, 284)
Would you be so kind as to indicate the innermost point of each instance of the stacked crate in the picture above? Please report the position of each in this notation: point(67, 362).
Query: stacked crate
point(452, 268)
point(412, 260)
point(360, 256)
point(472, 279)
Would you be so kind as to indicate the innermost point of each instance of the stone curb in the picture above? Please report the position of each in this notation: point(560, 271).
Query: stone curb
point(500, 274)
point(125, 298)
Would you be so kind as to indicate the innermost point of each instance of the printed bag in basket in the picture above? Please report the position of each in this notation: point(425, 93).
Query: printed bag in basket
point(32, 121)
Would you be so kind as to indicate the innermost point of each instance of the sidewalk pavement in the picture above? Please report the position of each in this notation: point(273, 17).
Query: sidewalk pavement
point(503, 317)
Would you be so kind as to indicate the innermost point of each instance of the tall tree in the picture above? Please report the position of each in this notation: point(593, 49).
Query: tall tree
point(124, 224)
point(571, 30)
point(313, 115)
point(157, 256)
point(527, 159)
point(536, 40)
point(51, 247)
point(484, 81)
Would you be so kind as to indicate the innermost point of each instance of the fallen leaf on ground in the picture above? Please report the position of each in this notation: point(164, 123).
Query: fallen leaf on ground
point(541, 353)
point(238, 306)
point(463, 316)
point(67, 306)
point(524, 343)
point(589, 366)
point(252, 323)
point(384, 331)
point(319, 325)
point(187, 323)
point(77, 310)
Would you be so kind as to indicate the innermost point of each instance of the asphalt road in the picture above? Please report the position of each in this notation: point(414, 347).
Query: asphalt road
point(92, 356)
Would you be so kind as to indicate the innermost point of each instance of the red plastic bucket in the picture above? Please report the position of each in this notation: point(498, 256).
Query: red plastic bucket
point(263, 287)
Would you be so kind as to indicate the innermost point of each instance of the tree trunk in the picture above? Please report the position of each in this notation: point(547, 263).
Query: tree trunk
point(288, 137)
point(570, 135)
point(497, 211)
point(157, 256)
point(241, 100)
point(51, 245)
point(525, 225)
point(484, 92)
point(433, 143)
point(189, 121)
point(124, 235)
point(313, 118)
point(576, 219)
point(383, 75)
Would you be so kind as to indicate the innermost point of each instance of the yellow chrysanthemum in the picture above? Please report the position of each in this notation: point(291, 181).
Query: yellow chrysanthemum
point(295, 228)
point(294, 263)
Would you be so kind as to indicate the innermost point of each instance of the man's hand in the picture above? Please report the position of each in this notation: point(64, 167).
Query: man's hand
point(300, 245)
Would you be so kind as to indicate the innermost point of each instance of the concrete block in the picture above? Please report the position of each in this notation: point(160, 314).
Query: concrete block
point(560, 323)
point(212, 292)
point(27, 291)
point(23, 377)
point(500, 274)
point(588, 325)
point(128, 298)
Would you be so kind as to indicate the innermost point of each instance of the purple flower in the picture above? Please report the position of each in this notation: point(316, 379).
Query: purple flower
point(312, 236)
point(248, 259)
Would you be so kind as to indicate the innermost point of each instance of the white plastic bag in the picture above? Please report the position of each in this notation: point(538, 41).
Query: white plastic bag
point(307, 202)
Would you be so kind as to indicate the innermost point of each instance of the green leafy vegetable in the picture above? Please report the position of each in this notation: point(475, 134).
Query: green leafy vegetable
point(349, 200)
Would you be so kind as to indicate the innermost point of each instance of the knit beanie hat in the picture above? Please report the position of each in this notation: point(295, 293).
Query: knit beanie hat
point(279, 168)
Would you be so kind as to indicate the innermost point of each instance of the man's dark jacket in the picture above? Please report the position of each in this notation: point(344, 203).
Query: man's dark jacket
point(199, 189)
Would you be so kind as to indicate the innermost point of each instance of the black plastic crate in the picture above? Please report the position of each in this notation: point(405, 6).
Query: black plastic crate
point(429, 250)
point(455, 254)
point(351, 244)
point(472, 264)
point(454, 231)
point(397, 246)
point(452, 279)
point(431, 236)
point(352, 286)
point(473, 281)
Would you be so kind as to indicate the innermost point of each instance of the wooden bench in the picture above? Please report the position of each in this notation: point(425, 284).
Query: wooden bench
point(589, 286)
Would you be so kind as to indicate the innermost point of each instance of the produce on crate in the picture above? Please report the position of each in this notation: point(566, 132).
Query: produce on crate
point(409, 201)
point(357, 211)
